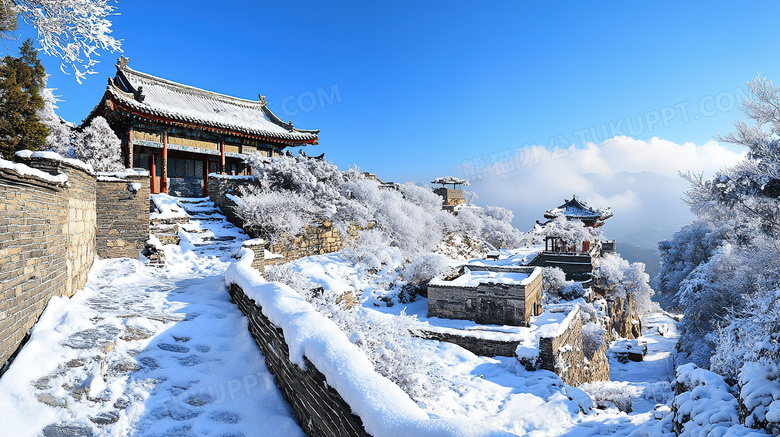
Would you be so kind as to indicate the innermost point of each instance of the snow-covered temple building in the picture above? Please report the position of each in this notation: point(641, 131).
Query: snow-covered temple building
point(575, 259)
point(575, 209)
point(181, 133)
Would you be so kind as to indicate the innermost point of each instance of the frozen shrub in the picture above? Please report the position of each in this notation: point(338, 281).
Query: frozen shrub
point(371, 252)
point(493, 224)
point(274, 214)
point(296, 190)
point(293, 278)
point(571, 290)
point(60, 132)
point(553, 278)
point(423, 267)
point(610, 394)
point(592, 338)
point(557, 287)
point(386, 341)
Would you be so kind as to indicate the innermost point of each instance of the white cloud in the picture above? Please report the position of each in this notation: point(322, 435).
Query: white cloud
point(638, 179)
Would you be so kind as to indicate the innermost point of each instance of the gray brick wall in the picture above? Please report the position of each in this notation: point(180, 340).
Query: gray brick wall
point(487, 303)
point(319, 409)
point(122, 217)
point(47, 244)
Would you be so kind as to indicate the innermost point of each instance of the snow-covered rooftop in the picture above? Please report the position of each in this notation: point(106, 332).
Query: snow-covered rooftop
point(450, 180)
point(574, 208)
point(158, 97)
point(471, 278)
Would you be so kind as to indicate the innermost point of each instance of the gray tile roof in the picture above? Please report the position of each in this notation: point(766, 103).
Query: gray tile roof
point(162, 98)
point(577, 209)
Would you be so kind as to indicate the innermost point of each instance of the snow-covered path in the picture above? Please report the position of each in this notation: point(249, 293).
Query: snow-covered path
point(148, 352)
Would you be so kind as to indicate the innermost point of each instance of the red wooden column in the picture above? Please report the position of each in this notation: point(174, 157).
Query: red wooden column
point(222, 152)
point(165, 163)
point(205, 164)
point(130, 147)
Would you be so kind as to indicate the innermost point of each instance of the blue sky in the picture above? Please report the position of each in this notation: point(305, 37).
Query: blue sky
point(412, 90)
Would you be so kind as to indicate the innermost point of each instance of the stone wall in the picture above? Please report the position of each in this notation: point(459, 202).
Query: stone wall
point(47, 244)
point(578, 267)
point(219, 188)
point(185, 186)
point(450, 197)
point(319, 409)
point(564, 355)
point(122, 216)
point(492, 303)
point(323, 237)
point(477, 346)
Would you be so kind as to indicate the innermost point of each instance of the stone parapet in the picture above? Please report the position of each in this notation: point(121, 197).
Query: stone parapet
point(319, 409)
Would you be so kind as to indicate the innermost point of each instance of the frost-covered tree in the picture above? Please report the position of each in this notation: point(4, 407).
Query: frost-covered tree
point(72, 30)
point(618, 277)
point(99, 146)
point(572, 232)
point(60, 131)
point(723, 266)
point(407, 217)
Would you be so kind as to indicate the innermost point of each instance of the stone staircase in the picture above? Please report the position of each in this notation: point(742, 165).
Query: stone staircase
point(201, 225)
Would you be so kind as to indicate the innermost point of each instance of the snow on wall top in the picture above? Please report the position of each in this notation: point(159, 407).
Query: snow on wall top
point(384, 408)
point(160, 97)
point(474, 278)
point(577, 209)
point(23, 170)
point(227, 176)
point(450, 180)
point(122, 175)
point(27, 154)
point(547, 325)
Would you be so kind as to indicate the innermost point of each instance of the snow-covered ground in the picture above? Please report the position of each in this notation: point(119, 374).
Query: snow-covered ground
point(498, 394)
point(145, 351)
point(163, 352)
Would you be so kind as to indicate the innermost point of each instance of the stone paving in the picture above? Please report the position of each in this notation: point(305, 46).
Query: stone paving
point(156, 351)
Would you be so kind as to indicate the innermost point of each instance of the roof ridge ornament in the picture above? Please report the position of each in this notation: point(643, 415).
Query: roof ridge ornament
point(139, 94)
point(122, 62)
point(262, 99)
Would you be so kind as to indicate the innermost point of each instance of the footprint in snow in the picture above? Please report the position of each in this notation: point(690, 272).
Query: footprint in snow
point(173, 348)
point(225, 417)
point(191, 360)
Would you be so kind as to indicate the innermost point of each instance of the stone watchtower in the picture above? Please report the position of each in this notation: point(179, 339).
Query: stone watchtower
point(452, 196)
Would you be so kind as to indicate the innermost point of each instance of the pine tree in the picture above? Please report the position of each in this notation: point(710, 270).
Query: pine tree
point(21, 81)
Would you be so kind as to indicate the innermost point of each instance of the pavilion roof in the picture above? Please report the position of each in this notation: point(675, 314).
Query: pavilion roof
point(450, 180)
point(167, 100)
point(574, 208)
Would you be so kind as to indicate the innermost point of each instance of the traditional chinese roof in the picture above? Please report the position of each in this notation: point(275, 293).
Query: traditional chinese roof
point(450, 180)
point(577, 209)
point(160, 99)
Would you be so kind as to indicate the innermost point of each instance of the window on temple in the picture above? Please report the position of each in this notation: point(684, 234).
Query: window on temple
point(184, 168)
